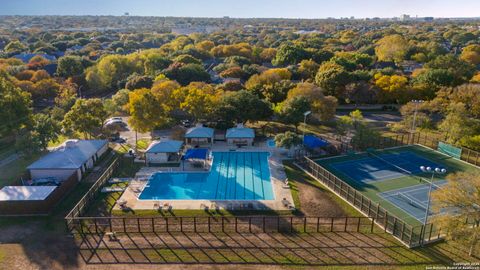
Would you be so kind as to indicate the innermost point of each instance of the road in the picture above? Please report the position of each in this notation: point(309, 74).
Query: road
point(378, 117)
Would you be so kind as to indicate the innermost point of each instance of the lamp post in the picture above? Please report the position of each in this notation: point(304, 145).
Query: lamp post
point(305, 114)
point(433, 171)
point(412, 132)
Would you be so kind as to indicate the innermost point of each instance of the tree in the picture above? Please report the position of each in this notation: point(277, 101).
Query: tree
point(242, 106)
point(291, 111)
point(186, 73)
point(15, 47)
point(460, 70)
point(422, 120)
point(145, 110)
point(461, 194)
point(287, 140)
point(361, 93)
point(323, 106)
point(137, 82)
point(391, 48)
point(198, 100)
point(45, 129)
point(37, 62)
point(308, 69)
point(69, 66)
point(155, 62)
point(289, 55)
point(332, 78)
point(457, 124)
point(471, 54)
point(86, 116)
point(187, 59)
point(15, 109)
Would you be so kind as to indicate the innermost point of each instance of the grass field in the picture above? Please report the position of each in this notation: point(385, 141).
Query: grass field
point(373, 188)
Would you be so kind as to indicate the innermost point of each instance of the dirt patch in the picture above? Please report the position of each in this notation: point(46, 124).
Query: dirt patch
point(315, 200)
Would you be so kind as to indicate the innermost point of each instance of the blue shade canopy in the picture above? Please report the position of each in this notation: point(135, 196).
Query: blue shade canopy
point(311, 141)
point(197, 153)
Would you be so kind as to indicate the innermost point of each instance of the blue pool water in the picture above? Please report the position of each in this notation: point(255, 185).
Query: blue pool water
point(233, 176)
point(271, 143)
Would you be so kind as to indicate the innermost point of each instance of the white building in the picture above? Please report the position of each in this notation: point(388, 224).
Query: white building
point(240, 135)
point(74, 156)
point(163, 151)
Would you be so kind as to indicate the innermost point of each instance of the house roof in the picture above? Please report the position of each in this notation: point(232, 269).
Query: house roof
point(165, 147)
point(71, 155)
point(199, 132)
point(240, 132)
point(25, 193)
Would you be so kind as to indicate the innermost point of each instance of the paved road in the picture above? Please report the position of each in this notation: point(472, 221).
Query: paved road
point(387, 117)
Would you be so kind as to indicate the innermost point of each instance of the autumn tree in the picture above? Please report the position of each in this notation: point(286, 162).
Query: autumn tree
point(391, 48)
point(471, 54)
point(145, 110)
point(322, 106)
point(460, 194)
point(242, 106)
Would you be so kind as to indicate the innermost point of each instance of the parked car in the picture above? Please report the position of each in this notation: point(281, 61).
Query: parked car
point(118, 121)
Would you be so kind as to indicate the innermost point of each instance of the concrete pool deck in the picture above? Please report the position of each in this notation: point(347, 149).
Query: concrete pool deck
point(277, 178)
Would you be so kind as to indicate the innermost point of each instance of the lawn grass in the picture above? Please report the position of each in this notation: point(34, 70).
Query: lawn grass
point(12, 172)
point(61, 139)
point(372, 189)
point(142, 144)
point(294, 174)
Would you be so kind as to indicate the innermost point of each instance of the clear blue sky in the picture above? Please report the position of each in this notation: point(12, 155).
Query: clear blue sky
point(245, 8)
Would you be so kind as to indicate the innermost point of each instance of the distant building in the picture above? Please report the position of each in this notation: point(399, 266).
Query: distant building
point(73, 157)
point(405, 17)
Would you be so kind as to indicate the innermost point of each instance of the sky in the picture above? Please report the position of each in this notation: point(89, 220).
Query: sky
point(246, 8)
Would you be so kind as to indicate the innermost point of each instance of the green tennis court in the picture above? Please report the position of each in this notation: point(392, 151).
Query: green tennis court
point(392, 177)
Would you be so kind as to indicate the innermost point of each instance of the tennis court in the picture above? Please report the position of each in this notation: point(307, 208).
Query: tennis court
point(382, 174)
point(412, 200)
point(383, 166)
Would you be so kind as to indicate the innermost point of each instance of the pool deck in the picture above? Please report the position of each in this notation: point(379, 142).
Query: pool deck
point(277, 177)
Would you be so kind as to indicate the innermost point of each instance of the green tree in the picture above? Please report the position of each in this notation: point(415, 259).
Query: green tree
point(457, 124)
point(332, 78)
point(291, 111)
point(288, 140)
point(289, 55)
point(45, 129)
point(461, 194)
point(69, 66)
point(15, 109)
point(86, 116)
point(243, 106)
point(15, 47)
point(187, 73)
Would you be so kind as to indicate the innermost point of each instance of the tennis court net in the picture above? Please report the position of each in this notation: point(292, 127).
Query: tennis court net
point(401, 170)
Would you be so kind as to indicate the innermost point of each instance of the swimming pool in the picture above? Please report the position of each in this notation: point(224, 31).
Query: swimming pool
point(271, 143)
point(233, 176)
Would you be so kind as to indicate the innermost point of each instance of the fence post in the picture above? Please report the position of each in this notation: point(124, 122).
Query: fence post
point(371, 225)
point(138, 224)
point(305, 224)
point(153, 224)
point(358, 224)
point(166, 223)
point(223, 224)
point(124, 226)
point(331, 224)
point(385, 222)
point(95, 223)
point(250, 224)
point(346, 222)
point(318, 224)
point(291, 224)
point(236, 224)
point(263, 223)
point(278, 223)
point(195, 224)
point(181, 224)
point(209, 224)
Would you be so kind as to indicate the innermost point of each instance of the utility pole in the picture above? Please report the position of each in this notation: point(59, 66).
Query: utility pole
point(412, 132)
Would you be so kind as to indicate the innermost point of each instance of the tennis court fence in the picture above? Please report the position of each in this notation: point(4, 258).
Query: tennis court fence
point(425, 139)
point(411, 236)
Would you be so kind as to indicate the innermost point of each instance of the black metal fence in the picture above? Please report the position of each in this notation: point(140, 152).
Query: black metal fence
point(213, 224)
point(91, 194)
